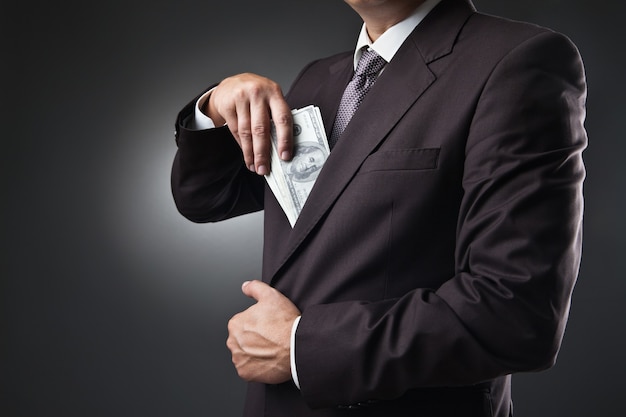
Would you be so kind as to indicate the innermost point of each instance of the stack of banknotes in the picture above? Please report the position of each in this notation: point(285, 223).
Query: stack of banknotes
point(292, 181)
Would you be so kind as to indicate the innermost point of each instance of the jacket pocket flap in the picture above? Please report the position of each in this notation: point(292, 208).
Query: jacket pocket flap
point(402, 160)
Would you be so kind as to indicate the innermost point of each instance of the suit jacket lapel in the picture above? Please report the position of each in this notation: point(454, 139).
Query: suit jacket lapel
point(400, 85)
point(329, 96)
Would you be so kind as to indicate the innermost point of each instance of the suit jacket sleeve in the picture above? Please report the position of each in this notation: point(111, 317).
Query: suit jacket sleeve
point(517, 253)
point(209, 179)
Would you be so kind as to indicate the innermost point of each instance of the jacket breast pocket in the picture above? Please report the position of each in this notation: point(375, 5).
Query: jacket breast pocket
point(402, 160)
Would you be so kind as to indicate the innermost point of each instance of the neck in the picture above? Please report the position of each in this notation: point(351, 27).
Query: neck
point(380, 17)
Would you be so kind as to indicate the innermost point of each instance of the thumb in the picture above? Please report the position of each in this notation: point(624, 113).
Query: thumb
point(256, 289)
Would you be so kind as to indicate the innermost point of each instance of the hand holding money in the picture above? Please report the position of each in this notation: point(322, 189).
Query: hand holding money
point(292, 181)
point(246, 103)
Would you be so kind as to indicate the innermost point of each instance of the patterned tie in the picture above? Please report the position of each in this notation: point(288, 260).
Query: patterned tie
point(367, 69)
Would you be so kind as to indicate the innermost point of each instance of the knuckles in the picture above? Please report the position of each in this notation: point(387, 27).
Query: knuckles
point(233, 325)
point(282, 119)
point(260, 130)
point(244, 132)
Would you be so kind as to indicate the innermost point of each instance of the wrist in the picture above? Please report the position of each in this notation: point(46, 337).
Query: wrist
point(209, 109)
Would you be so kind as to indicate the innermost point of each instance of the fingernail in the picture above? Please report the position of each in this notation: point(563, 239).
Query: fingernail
point(245, 284)
point(262, 170)
point(251, 167)
point(285, 156)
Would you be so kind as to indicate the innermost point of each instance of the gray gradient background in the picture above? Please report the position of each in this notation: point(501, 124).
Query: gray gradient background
point(112, 304)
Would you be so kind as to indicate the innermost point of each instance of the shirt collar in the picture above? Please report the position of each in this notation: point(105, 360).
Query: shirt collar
point(389, 42)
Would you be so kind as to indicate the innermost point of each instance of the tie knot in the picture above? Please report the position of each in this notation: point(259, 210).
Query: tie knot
point(370, 63)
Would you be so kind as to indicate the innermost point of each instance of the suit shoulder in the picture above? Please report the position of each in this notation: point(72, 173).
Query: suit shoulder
point(494, 31)
point(490, 23)
point(493, 38)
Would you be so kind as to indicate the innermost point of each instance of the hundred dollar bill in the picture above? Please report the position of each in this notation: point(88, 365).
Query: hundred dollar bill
point(292, 181)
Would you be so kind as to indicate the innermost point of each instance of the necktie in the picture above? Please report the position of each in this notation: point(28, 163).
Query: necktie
point(367, 70)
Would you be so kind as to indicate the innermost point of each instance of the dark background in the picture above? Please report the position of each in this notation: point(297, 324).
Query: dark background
point(112, 304)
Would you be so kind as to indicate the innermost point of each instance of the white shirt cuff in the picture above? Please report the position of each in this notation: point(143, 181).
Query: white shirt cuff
point(201, 121)
point(294, 374)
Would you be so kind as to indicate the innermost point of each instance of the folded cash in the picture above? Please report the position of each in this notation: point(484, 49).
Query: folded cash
point(292, 181)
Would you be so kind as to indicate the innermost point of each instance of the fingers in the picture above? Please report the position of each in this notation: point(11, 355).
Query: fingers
point(240, 128)
point(258, 290)
point(284, 128)
point(274, 300)
point(256, 356)
point(259, 337)
point(260, 135)
point(248, 103)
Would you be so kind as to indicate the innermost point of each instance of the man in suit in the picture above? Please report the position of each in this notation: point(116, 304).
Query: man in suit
point(438, 249)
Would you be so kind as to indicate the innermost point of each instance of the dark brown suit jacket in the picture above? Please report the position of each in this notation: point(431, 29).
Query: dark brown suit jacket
point(437, 252)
